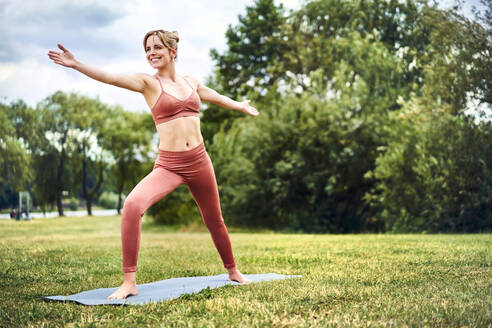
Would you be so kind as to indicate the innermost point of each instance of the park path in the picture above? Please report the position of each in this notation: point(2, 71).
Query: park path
point(41, 215)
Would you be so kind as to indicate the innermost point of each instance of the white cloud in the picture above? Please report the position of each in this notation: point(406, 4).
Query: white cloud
point(466, 8)
point(289, 4)
point(107, 35)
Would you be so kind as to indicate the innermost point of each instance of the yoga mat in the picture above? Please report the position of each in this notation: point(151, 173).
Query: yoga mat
point(162, 290)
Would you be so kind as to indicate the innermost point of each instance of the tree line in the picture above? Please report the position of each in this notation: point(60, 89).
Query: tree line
point(375, 116)
point(71, 143)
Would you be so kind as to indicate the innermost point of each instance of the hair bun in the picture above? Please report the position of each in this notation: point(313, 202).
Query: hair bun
point(176, 36)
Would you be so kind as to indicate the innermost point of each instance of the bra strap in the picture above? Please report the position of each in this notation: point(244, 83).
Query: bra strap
point(162, 89)
point(189, 84)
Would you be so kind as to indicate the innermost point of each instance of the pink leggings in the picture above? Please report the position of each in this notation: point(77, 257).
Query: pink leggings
point(173, 168)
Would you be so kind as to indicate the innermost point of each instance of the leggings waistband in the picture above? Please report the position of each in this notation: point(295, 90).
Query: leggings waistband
point(185, 155)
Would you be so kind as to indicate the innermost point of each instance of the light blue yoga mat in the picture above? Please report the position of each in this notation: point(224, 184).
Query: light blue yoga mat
point(162, 290)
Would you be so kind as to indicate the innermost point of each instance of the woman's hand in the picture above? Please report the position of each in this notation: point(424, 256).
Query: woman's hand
point(248, 109)
point(65, 58)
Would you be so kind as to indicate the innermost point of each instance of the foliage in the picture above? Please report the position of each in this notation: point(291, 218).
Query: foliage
point(82, 143)
point(270, 46)
point(305, 159)
point(59, 113)
point(128, 139)
point(457, 66)
point(68, 143)
point(253, 45)
point(244, 70)
point(178, 207)
point(435, 174)
point(44, 182)
point(73, 204)
point(108, 200)
point(15, 158)
point(322, 156)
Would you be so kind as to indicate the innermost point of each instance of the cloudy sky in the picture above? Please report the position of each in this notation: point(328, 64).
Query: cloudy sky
point(109, 36)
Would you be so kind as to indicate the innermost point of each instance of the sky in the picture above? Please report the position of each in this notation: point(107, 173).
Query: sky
point(109, 35)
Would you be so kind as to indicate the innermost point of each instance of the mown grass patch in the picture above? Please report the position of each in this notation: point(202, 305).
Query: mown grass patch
point(348, 280)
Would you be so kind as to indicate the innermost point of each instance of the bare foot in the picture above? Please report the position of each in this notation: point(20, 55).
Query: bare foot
point(235, 275)
point(125, 290)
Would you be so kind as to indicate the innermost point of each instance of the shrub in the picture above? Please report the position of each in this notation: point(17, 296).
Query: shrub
point(108, 199)
point(73, 204)
point(178, 207)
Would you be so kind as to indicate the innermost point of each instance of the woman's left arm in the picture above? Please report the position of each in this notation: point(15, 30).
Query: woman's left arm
point(212, 96)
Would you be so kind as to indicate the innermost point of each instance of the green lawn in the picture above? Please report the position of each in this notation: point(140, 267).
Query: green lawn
point(348, 280)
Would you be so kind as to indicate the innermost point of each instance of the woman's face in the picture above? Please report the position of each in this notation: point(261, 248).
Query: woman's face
point(157, 54)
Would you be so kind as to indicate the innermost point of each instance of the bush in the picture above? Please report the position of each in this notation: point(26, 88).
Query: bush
point(178, 207)
point(108, 200)
point(436, 173)
point(73, 204)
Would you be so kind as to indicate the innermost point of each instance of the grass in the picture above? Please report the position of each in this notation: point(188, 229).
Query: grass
point(348, 280)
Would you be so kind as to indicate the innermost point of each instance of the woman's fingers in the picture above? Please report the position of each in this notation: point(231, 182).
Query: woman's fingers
point(250, 109)
point(253, 111)
point(64, 58)
point(56, 57)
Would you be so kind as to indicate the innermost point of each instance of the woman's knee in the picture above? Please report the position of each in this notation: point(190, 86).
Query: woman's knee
point(132, 205)
point(213, 222)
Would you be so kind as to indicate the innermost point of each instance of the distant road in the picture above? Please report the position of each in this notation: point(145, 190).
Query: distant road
point(40, 215)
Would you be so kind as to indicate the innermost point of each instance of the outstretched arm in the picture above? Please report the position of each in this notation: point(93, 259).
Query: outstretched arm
point(209, 95)
point(135, 82)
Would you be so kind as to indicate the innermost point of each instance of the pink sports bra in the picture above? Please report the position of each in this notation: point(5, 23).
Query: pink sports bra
point(168, 107)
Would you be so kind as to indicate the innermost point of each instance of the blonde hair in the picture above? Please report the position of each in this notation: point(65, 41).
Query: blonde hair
point(169, 39)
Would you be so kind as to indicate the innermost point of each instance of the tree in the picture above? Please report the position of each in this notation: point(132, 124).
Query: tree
point(15, 138)
point(435, 174)
point(128, 139)
point(268, 45)
point(272, 47)
point(69, 121)
point(458, 66)
point(253, 45)
point(243, 70)
point(88, 161)
point(306, 158)
point(315, 157)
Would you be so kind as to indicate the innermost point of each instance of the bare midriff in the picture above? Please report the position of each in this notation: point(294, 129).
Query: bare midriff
point(180, 134)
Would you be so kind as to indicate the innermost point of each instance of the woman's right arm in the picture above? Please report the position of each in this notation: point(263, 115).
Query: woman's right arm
point(134, 82)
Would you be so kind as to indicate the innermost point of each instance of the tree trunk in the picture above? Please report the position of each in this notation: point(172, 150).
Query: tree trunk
point(121, 184)
point(59, 178)
point(89, 194)
point(88, 204)
point(118, 207)
point(84, 187)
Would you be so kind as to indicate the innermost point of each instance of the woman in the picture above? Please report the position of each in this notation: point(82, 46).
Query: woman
point(174, 101)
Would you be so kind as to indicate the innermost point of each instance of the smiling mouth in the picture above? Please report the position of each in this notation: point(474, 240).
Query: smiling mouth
point(155, 60)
